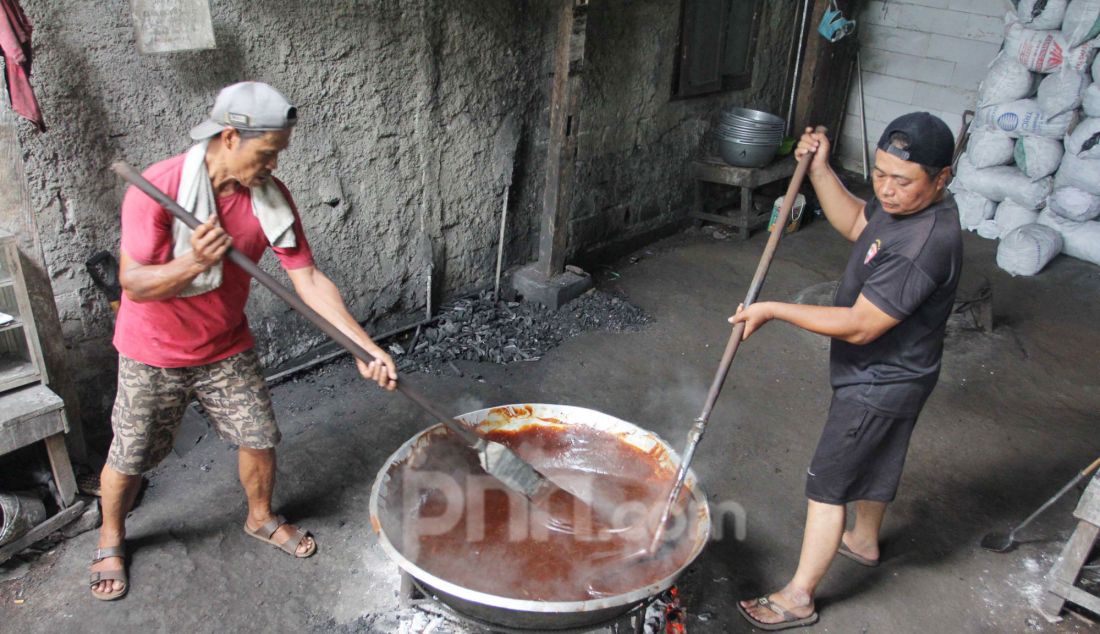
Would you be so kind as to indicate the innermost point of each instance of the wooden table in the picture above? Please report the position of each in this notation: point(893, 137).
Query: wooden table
point(714, 171)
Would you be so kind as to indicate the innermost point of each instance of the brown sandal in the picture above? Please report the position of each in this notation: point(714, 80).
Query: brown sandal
point(290, 546)
point(110, 575)
point(789, 619)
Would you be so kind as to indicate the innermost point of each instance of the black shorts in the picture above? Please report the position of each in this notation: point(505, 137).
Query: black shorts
point(860, 455)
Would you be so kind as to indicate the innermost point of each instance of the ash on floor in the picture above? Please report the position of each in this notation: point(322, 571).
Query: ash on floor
point(477, 329)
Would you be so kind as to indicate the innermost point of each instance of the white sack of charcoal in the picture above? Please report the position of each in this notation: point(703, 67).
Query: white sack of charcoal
point(1026, 250)
point(1037, 156)
point(1081, 22)
point(1023, 117)
point(1082, 173)
point(1003, 182)
point(1074, 204)
point(1090, 102)
point(1010, 215)
point(988, 230)
point(1084, 141)
point(1061, 92)
point(1007, 80)
point(973, 208)
point(1042, 15)
point(989, 148)
point(1045, 51)
point(1080, 240)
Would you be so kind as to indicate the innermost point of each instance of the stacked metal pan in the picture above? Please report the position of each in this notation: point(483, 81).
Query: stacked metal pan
point(749, 138)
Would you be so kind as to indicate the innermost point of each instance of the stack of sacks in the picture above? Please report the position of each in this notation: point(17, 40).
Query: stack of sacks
point(1032, 164)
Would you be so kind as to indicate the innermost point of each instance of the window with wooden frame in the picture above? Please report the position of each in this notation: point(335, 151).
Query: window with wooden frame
point(717, 38)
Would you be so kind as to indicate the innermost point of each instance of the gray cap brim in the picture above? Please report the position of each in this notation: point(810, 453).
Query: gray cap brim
point(206, 129)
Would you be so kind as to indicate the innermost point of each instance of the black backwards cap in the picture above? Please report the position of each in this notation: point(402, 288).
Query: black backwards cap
point(930, 140)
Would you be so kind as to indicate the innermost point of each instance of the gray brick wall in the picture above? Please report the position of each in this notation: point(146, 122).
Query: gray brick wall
point(920, 55)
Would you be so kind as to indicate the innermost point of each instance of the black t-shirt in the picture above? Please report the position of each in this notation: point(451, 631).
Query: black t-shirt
point(908, 266)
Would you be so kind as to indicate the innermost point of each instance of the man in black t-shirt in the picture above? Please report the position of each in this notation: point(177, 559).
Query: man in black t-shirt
point(887, 326)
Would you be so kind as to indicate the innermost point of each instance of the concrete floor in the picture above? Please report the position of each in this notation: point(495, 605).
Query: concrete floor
point(1013, 418)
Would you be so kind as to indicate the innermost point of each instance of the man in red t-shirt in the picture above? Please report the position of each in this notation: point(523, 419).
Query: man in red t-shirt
point(181, 329)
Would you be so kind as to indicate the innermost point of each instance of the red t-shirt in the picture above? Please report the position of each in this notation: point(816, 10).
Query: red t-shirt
point(191, 331)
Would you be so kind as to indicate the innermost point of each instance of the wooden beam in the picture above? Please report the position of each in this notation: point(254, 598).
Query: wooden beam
point(41, 531)
point(822, 96)
point(564, 124)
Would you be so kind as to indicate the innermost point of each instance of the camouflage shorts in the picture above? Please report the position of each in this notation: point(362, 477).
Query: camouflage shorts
point(151, 402)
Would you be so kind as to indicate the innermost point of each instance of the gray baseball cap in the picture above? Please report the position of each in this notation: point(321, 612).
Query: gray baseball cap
point(249, 105)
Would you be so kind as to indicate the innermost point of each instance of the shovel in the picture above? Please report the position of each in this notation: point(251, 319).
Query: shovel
point(1002, 543)
point(700, 425)
point(496, 459)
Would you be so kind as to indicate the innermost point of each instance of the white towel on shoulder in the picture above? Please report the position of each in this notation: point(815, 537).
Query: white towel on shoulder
point(196, 194)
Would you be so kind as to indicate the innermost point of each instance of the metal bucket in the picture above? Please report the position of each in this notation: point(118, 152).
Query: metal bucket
point(512, 612)
point(19, 513)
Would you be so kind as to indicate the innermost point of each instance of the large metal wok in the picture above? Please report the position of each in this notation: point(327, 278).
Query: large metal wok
point(388, 518)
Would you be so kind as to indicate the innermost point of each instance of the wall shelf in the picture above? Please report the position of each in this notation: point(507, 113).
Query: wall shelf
point(29, 411)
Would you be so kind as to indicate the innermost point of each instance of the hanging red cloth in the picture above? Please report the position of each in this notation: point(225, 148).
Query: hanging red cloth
point(15, 41)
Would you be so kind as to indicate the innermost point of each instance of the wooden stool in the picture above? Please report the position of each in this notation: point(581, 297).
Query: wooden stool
point(27, 415)
point(714, 170)
point(1063, 574)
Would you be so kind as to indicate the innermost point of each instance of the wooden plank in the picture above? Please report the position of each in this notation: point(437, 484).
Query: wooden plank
point(558, 193)
point(733, 220)
point(17, 217)
point(62, 469)
point(747, 211)
point(825, 66)
point(720, 172)
point(1084, 599)
point(724, 220)
point(1065, 570)
point(1088, 508)
point(28, 415)
point(45, 529)
point(165, 26)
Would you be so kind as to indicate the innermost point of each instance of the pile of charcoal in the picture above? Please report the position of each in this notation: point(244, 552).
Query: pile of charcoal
point(477, 329)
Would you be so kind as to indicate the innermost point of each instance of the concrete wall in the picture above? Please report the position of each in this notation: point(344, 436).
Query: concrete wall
point(920, 55)
point(402, 111)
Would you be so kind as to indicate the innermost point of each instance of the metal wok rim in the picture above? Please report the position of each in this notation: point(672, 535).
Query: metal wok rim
point(757, 116)
point(740, 123)
point(525, 605)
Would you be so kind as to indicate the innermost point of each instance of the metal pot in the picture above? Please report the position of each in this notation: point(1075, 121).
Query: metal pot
point(521, 613)
point(743, 154)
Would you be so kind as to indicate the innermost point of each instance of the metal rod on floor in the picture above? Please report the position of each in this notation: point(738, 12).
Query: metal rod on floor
point(312, 363)
point(500, 245)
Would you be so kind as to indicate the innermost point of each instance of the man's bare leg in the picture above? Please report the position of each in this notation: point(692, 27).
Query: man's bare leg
point(824, 527)
point(864, 536)
point(117, 493)
point(257, 471)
